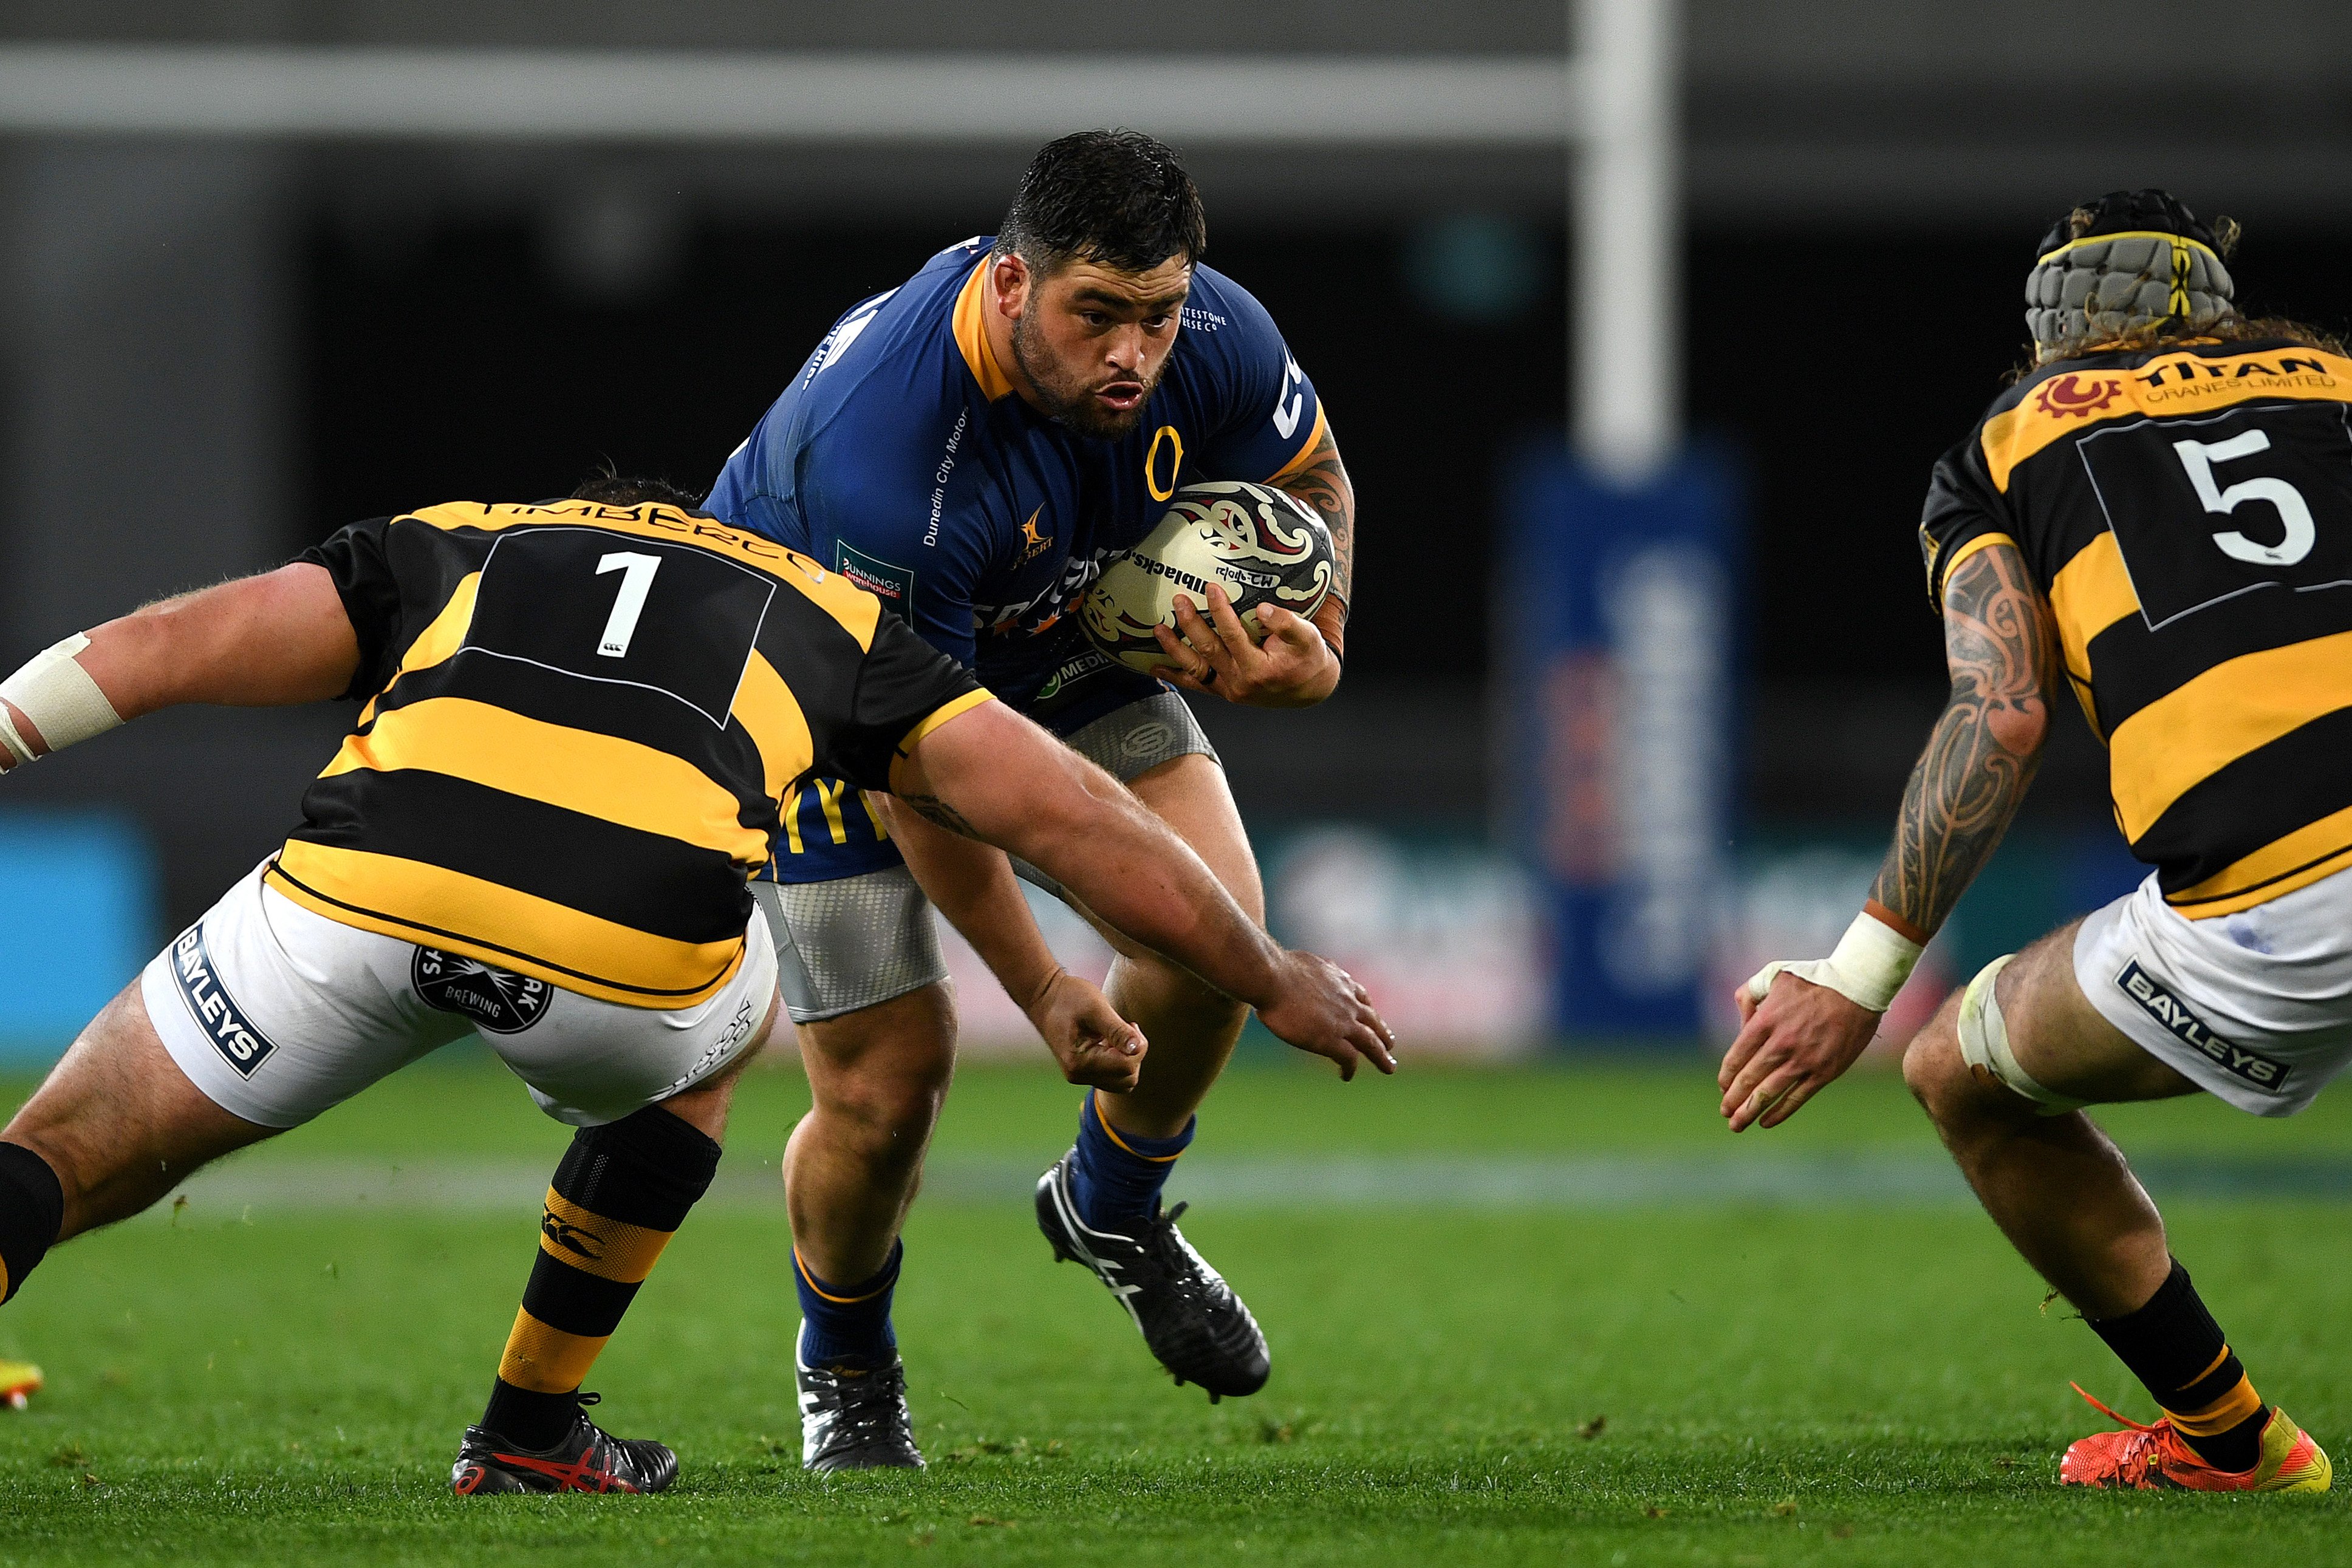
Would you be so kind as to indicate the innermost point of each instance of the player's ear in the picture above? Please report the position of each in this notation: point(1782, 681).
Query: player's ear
point(1009, 276)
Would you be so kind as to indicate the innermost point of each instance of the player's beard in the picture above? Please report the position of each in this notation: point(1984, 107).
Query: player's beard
point(1070, 400)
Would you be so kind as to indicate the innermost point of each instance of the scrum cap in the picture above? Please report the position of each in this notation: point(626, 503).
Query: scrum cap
point(2128, 259)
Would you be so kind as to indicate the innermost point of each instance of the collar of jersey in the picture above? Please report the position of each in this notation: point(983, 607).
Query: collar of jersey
point(971, 335)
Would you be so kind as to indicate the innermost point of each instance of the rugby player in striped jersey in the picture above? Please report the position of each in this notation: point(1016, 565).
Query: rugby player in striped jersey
point(2158, 515)
point(580, 721)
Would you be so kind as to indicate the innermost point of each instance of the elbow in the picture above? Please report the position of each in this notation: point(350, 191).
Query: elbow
point(2019, 725)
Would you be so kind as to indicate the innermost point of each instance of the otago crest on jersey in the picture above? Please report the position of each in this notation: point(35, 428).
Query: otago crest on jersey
point(2188, 511)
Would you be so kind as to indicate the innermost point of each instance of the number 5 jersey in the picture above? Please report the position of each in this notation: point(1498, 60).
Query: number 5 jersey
point(579, 721)
point(2188, 511)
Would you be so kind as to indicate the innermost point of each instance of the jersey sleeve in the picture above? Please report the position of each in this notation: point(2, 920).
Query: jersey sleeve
point(359, 562)
point(905, 689)
point(1963, 514)
point(1265, 412)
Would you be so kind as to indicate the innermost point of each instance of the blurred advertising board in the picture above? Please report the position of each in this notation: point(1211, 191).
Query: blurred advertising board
point(79, 922)
point(1794, 894)
point(1618, 623)
point(1444, 932)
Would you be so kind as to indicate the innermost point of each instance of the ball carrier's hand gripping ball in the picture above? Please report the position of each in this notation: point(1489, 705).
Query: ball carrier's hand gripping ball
point(1258, 544)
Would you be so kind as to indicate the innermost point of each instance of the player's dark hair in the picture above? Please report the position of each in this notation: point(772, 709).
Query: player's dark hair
point(613, 489)
point(1119, 198)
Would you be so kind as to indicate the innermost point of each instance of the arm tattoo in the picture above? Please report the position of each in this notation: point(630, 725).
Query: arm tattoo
point(1321, 481)
point(1982, 754)
point(931, 808)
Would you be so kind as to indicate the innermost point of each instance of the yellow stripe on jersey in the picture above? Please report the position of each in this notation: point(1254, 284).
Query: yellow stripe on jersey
point(2239, 705)
point(619, 964)
point(1982, 541)
point(828, 797)
point(2302, 857)
point(2090, 593)
point(1298, 458)
point(2172, 384)
point(793, 822)
point(600, 775)
point(944, 712)
point(443, 637)
point(766, 707)
point(970, 327)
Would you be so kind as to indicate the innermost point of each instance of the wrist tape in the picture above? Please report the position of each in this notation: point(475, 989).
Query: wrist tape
point(60, 699)
point(1871, 963)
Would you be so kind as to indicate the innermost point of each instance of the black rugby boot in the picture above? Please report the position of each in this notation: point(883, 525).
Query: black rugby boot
point(1190, 1317)
point(856, 1420)
point(588, 1459)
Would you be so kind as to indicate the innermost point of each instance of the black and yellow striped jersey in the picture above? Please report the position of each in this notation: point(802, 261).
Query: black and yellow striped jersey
point(580, 721)
point(2188, 511)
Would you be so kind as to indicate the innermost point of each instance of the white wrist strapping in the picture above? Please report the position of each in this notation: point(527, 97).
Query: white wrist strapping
point(1872, 961)
point(60, 699)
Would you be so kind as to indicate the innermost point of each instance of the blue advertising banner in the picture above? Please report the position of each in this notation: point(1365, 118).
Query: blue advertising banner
point(1619, 621)
point(77, 922)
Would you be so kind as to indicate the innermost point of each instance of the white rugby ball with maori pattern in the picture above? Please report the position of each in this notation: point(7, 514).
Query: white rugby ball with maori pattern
point(1258, 543)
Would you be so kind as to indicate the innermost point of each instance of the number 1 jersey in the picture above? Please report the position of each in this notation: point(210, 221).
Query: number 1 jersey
point(2188, 511)
point(580, 719)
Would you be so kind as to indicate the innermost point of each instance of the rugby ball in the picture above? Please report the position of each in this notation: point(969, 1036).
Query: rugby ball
point(1258, 543)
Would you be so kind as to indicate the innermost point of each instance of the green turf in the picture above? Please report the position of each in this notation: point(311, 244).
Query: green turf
point(1769, 1385)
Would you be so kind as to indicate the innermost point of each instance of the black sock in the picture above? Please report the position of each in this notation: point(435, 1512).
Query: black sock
point(2173, 1345)
point(32, 1211)
point(620, 1192)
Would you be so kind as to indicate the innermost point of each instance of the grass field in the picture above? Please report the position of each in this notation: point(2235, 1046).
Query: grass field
point(1793, 1347)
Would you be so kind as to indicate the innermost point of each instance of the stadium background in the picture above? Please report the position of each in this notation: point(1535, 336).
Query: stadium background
point(1534, 1310)
point(218, 347)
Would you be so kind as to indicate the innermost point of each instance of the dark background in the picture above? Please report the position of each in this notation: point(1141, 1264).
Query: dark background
point(214, 350)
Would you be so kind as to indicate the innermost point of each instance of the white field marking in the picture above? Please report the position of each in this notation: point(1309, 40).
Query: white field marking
point(262, 1184)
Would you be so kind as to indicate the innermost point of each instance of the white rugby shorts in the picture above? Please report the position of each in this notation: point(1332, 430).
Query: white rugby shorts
point(2253, 1008)
point(277, 1013)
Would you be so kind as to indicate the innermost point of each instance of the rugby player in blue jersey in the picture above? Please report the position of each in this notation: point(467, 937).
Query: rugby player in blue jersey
point(973, 445)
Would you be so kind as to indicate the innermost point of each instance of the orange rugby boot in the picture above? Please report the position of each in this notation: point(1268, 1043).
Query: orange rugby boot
point(19, 1380)
point(2156, 1458)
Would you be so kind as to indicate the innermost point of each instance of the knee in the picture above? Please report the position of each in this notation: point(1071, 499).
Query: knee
point(886, 1116)
point(1933, 1068)
point(1963, 1105)
point(879, 1077)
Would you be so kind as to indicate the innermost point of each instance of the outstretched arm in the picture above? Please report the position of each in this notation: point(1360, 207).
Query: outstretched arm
point(991, 775)
point(974, 885)
point(1805, 1029)
point(269, 641)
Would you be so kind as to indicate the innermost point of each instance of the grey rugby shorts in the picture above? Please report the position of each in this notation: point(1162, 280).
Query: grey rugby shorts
point(859, 941)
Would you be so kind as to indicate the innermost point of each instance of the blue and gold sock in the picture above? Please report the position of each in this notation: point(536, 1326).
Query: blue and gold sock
point(1116, 1177)
point(848, 1325)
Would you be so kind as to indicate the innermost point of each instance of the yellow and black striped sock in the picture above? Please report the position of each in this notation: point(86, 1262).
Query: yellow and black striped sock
point(620, 1192)
point(2173, 1345)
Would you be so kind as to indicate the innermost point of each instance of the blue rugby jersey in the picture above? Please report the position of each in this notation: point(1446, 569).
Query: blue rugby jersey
point(901, 457)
